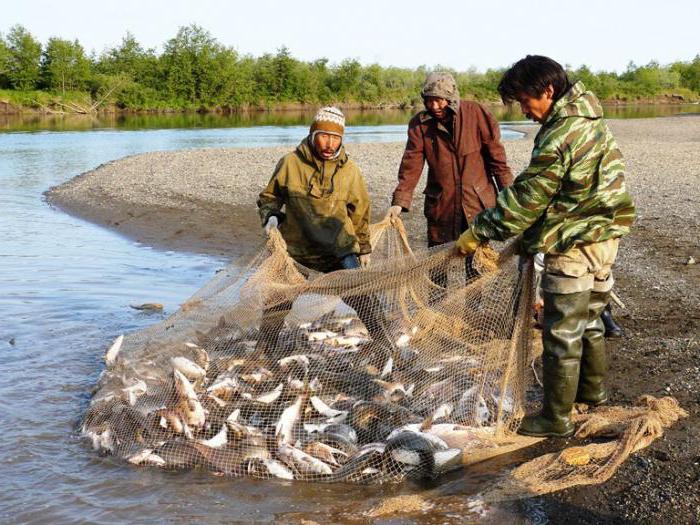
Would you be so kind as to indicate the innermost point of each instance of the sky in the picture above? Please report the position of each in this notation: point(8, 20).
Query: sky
point(603, 34)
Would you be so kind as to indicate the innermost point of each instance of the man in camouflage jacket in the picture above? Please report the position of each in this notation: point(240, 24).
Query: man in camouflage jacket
point(571, 204)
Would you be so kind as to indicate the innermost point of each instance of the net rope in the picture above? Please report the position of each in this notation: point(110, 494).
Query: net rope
point(410, 368)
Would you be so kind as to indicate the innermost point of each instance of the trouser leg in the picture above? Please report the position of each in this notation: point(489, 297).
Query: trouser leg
point(565, 320)
point(271, 326)
point(594, 363)
point(368, 307)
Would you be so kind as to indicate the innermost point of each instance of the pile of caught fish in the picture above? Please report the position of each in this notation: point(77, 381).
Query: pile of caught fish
point(330, 405)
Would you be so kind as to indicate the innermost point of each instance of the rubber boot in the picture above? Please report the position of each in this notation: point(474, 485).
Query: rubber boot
point(565, 319)
point(594, 362)
point(612, 329)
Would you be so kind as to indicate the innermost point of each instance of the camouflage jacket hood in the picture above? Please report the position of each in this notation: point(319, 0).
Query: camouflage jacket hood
point(323, 207)
point(573, 191)
point(577, 102)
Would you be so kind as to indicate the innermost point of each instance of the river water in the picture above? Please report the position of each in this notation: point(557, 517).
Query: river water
point(65, 290)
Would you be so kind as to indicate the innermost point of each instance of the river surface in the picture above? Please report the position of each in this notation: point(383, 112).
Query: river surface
point(65, 290)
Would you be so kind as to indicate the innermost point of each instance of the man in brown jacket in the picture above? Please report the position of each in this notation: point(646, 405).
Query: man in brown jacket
point(461, 142)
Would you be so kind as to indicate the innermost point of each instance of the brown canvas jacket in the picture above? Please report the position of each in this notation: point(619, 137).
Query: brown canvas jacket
point(463, 166)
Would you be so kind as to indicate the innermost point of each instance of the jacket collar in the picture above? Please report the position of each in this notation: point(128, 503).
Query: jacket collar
point(576, 102)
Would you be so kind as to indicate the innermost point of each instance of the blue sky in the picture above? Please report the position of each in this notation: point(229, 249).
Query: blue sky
point(604, 34)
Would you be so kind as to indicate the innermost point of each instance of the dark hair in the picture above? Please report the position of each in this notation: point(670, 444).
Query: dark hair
point(530, 76)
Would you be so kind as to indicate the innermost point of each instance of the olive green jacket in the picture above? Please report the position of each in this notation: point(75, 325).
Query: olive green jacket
point(573, 192)
point(326, 207)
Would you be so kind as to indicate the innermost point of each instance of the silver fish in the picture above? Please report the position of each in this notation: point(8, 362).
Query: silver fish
point(146, 457)
point(189, 404)
point(134, 391)
point(325, 452)
point(170, 419)
point(270, 397)
point(482, 410)
point(272, 467)
point(394, 392)
point(321, 335)
point(304, 463)
point(388, 368)
point(285, 425)
point(225, 388)
point(189, 369)
point(299, 359)
point(113, 351)
point(218, 441)
point(260, 375)
point(323, 409)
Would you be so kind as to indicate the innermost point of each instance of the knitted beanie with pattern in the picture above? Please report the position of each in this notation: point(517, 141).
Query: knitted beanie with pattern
point(329, 120)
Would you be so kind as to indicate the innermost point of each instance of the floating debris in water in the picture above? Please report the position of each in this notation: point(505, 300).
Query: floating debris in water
point(152, 307)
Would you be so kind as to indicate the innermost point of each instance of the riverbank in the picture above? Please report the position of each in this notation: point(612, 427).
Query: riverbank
point(203, 201)
point(79, 103)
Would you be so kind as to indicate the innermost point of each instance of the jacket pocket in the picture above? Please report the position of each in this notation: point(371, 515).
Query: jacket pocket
point(430, 206)
point(486, 193)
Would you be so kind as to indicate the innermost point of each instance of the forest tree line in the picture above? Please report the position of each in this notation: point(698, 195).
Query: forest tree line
point(195, 71)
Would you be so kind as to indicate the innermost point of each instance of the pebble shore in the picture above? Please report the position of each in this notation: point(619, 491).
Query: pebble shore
point(204, 200)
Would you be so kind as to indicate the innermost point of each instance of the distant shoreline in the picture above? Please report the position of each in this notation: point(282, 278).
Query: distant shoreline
point(55, 107)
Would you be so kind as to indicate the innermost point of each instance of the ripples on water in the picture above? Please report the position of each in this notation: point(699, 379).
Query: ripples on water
point(65, 290)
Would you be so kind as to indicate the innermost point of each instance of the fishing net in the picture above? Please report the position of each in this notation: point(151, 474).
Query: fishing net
point(414, 366)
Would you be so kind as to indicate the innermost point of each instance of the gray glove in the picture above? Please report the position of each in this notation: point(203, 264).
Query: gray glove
point(271, 223)
point(394, 212)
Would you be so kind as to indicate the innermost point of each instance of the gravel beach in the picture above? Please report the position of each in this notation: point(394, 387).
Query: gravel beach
point(204, 201)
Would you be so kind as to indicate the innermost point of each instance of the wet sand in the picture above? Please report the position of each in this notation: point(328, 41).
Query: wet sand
point(204, 201)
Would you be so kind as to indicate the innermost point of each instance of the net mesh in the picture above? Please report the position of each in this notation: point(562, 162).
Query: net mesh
point(412, 367)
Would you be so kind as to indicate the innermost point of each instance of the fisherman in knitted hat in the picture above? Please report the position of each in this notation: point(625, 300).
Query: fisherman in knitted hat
point(318, 200)
point(327, 132)
point(325, 219)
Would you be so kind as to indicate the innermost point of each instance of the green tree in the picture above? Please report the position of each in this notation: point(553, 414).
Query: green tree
point(689, 74)
point(64, 65)
point(319, 78)
point(283, 76)
point(242, 82)
point(345, 80)
point(4, 63)
point(189, 64)
point(131, 59)
point(24, 58)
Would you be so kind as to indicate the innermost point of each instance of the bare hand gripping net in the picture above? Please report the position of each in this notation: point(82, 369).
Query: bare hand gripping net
point(415, 366)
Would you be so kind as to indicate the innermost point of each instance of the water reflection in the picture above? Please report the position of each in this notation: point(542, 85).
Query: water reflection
point(37, 122)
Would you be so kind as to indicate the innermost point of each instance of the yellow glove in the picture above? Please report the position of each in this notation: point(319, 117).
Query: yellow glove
point(467, 243)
